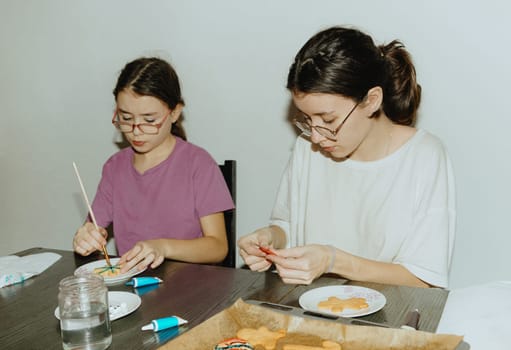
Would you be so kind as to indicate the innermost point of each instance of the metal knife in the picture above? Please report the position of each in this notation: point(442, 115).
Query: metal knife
point(412, 320)
point(304, 313)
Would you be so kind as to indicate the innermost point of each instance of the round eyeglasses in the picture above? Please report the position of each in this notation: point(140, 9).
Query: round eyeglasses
point(306, 126)
point(146, 128)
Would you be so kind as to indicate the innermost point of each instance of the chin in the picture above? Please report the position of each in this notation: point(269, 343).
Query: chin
point(139, 149)
point(337, 156)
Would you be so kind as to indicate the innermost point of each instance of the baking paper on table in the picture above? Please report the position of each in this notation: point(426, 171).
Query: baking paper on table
point(15, 269)
point(243, 315)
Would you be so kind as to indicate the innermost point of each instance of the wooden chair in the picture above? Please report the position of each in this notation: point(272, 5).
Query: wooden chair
point(229, 172)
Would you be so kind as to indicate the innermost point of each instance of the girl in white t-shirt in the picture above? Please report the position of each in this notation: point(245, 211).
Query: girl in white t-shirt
point(365, 195)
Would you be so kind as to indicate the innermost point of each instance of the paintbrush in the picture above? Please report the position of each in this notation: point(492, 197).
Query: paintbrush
point(107, 258)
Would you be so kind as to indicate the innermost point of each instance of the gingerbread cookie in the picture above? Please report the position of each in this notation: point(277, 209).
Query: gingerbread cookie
point(335, 304)
point(261, 336)
point(303, 341)
point(234, 343)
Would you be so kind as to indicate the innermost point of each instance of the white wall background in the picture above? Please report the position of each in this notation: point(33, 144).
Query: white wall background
point(59, 61)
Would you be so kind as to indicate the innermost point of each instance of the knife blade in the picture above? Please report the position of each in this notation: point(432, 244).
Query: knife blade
point(301, 312)
point(412, 320)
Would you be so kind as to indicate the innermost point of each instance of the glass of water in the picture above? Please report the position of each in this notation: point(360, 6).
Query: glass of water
point(83, 309)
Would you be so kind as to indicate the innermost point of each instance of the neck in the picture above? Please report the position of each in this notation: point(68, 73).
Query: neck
point(145, 161)
point(377, 143)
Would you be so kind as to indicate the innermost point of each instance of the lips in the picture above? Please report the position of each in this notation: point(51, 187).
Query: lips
point(138, 143)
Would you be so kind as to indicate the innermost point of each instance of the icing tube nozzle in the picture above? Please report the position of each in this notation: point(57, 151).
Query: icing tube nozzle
point(164, 323)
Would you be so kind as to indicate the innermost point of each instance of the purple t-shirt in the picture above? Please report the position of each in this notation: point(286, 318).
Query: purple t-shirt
point(167, 201)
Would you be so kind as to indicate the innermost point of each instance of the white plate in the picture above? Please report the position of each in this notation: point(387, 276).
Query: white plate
point(310, 299)
point(120, 304)
point(109, 281)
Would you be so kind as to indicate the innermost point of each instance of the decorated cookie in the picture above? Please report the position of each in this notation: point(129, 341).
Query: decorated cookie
point(234, 343)
point(335, 304)
point(261, 336)
point(108, 271)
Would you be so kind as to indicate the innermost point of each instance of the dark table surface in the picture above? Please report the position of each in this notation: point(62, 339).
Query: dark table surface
point(192, 291)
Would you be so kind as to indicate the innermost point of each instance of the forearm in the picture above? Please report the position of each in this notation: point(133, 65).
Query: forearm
point(359, 269)
point(198, 250)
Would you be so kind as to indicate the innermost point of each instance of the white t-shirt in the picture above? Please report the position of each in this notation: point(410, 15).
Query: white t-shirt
point(398, 209)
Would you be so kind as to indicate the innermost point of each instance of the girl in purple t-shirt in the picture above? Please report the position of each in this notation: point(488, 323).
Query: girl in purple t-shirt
point(165, 197)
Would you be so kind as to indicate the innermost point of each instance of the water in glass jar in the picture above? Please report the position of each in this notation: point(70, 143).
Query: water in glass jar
point(88, 330)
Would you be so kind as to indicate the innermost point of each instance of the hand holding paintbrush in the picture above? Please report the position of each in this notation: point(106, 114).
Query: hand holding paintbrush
point(90, 211)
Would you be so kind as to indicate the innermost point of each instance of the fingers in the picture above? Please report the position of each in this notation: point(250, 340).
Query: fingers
point(131, 258)
point(255, 262)
point(296, 252)
point(132, 253)
point(301, 265)
point(251, 242)
point(142, 255)
point(157, 262)
point(250, 250)
point(291, 258)
point(87, 239)
point(264, 237)
point(289, 263)
point(292, 276)
point(139, 262)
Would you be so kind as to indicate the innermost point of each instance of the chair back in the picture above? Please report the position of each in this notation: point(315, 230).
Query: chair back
point(229, 171)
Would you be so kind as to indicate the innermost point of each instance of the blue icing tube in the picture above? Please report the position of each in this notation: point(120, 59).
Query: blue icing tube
point(143, 281)
point(145, 289)
point(164, 323)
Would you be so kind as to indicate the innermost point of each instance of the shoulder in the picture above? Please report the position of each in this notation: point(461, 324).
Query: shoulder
point(426, 152)
point(427, 144)
point(119, 159)
point(193, 154)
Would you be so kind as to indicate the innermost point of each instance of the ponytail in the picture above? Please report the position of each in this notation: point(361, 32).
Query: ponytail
point(346, 62)
point(401, 92)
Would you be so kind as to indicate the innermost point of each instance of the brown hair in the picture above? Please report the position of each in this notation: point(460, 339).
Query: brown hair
point(153, 77)
point(346, 61)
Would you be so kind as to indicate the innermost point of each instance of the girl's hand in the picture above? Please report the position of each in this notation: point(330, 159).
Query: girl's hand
point(302, 265)
point(87, 239)
point(250, 252)
point(143, 254)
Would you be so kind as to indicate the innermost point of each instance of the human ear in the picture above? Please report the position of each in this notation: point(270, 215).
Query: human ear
point(176, 112)
point(374, 99)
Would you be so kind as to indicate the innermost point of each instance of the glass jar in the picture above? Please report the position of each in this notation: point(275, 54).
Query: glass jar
point(83, 311)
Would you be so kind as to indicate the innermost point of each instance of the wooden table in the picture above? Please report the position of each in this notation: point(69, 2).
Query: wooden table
point(192, 291)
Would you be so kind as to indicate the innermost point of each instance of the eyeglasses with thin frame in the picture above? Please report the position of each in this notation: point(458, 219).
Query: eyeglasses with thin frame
point(306, 126)
point(146, 128)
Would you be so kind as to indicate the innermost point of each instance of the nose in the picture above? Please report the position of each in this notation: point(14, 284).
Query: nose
point(136, 130)
point(316, 137)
